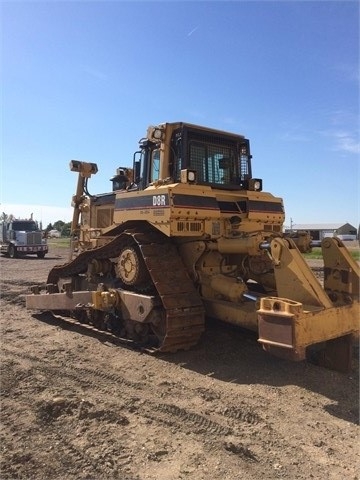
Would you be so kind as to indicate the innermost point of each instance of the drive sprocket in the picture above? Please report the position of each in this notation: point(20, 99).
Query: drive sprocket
point(130, 268)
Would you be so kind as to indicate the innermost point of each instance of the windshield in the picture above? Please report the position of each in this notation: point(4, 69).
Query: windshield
point(212, 162)
point(24, 226)
point(218, 164)
point(220, 159)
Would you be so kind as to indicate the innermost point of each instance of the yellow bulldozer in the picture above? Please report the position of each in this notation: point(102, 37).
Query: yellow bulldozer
point(188, 233)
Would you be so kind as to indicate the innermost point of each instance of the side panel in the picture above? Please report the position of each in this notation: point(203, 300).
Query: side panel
point(193, 210)
point(150, 205)
point(174, 209)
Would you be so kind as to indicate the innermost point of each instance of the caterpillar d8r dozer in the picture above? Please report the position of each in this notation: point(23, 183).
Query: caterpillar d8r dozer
point(187, 232)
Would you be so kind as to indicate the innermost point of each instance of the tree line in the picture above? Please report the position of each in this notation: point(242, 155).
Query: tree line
point(60, 226)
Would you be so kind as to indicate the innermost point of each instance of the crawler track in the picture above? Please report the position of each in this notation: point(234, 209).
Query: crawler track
point(183, 309)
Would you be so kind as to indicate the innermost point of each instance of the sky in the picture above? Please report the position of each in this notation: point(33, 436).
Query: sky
point(84, 79)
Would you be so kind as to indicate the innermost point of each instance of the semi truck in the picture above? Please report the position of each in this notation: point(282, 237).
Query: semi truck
point(22, 237)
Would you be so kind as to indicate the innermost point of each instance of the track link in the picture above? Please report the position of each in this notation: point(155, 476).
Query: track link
point(184, 314)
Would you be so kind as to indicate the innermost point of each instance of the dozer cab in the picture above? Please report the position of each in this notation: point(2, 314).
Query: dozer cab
point(188, 232)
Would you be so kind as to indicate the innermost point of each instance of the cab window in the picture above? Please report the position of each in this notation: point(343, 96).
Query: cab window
point(155, 165)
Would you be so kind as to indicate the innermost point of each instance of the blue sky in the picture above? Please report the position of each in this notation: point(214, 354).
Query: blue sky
point(83, 80)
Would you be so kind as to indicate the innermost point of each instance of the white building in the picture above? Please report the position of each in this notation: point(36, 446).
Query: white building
point(54, 234)
point(318, 231)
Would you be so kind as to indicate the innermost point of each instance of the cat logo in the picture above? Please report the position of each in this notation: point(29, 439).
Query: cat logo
point(159, 200)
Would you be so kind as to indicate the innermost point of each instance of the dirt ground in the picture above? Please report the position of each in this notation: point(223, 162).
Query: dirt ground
point(74, 405)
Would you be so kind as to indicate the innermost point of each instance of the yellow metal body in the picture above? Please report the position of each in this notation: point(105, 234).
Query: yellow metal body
point(231, 241)
point(302, 309)
point(181, 210)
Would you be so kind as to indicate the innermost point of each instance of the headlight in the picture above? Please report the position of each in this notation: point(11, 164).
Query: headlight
point(191, 176)
point(255, 184)
point(188, 176)
point(157, 134)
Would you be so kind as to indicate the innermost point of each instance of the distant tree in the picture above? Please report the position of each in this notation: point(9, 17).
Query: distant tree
point(4, 217)
point(65, 231)
point(49, 227)
point(58, 225)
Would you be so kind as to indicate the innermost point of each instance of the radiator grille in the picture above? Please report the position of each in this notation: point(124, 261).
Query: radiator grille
point(33, 238)
point(189, 226)
point(273, 228)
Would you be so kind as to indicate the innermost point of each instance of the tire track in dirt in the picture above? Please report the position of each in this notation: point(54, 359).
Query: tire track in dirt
point(170, 415)
point(190, 421)
point(75, 409)
point(85, 376)
point(48, 427)
point(235, 429)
